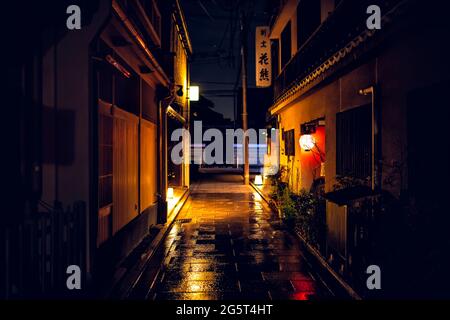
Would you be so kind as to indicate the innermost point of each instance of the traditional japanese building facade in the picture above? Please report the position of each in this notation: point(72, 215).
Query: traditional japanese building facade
point(349, 102)
point(176, 41)
point(99, 97)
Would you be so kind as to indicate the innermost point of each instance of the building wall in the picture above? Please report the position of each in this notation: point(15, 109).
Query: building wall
point(306, 109)
point(289, 14)
point(181, 78)
point(417, 66)
point(125, 172)
point(148, 181)
point(326, 101)
point(401, 67)
point(66, 97)
point(66, 127)
point(133, 106)
point(74, 114)
point(181, 67)
point(134, 204)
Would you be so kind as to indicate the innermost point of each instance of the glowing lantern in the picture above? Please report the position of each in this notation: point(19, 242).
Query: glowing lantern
point(307, 142)
point(170, 193)
point(258, 180)
point(194, 93)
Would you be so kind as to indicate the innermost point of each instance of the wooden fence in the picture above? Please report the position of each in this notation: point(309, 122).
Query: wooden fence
point(37, 252)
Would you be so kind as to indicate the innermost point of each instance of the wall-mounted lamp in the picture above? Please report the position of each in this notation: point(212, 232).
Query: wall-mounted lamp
point(307, 142)
point(170, 193)
point(194, 93)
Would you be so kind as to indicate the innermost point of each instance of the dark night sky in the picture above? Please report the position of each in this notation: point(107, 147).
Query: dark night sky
point(215, 30)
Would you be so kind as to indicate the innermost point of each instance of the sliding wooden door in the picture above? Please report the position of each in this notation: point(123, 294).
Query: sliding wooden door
point(125, 184)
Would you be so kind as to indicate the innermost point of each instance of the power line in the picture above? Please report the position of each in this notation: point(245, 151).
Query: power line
point(216, 82)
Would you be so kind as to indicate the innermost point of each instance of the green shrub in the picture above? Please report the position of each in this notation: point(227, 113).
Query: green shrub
point(305, 210)
point(309, 214)
point(287, 206)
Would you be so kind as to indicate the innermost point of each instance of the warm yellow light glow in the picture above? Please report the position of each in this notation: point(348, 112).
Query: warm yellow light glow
point(307, 142)
point(258, 180)
point(257, 196)
point(170, 193)
point(194, 93)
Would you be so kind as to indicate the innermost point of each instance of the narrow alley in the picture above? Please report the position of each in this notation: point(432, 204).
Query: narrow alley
point(226, 244)
point(262, 150)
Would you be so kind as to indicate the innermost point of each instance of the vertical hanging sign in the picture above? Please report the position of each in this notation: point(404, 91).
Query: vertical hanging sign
point(263, 58)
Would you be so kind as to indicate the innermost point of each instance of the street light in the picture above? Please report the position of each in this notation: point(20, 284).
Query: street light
point(194, 93)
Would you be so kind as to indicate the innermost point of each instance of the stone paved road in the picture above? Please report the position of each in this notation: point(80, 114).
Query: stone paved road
point(226, 244)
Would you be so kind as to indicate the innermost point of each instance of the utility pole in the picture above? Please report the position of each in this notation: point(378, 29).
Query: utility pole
point(244, 98)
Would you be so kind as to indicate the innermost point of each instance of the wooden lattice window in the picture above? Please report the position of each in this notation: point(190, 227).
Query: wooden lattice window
point(354, 143)
point(289, 143)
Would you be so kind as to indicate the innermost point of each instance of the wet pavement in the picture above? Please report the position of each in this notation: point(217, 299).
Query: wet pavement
point(226, 244)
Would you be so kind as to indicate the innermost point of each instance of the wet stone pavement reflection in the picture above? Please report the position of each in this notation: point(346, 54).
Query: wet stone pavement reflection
point(226, 244)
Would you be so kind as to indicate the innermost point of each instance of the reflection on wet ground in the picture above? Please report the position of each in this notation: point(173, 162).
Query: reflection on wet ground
point(226, 244)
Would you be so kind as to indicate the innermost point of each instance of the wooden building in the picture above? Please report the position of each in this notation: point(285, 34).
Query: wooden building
point(359, 96)
point(96, 103)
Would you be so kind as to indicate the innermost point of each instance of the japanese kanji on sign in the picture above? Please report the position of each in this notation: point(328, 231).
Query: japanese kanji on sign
point(263, 58)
